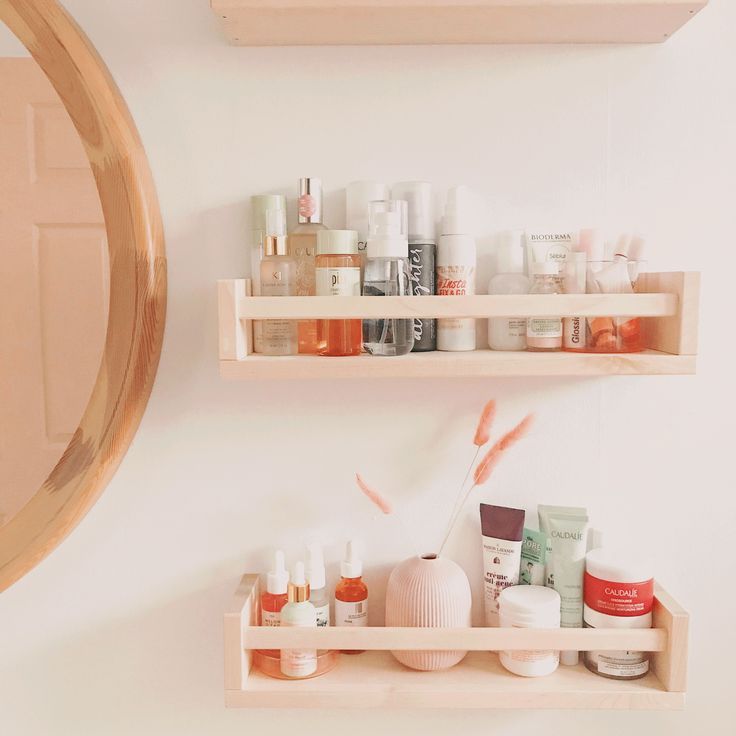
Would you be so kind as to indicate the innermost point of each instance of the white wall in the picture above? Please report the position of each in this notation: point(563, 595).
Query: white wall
point(119, 631)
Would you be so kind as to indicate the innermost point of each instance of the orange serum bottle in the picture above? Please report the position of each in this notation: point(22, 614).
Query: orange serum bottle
point(351, 593)
point(276, 595)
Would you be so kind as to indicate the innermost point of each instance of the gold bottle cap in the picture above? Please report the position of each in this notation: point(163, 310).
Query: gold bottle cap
point(275, 244)
point(298, 586)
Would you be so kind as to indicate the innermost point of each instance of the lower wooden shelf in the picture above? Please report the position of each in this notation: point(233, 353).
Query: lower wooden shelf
point(478, 364)
point(376, 679)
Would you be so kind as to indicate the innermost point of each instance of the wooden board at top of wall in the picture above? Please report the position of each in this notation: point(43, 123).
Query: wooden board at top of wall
point(379, 22)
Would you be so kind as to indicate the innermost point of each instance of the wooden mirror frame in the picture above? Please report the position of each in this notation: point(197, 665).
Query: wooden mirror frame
point(137, 283)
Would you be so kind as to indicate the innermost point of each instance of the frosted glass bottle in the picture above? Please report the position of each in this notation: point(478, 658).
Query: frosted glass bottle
point(508, 333)
point(387, 273)
point(544, 334)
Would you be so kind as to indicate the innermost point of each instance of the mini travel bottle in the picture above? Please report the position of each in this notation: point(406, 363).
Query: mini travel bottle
point(422, 255)
point(456, 265)
point(509, 333)
point(260, 204)
point(298, 663)
point(338, 274)
point(317, 585)
point(351, 593)
point(303, 248)
point(278, 278)
point(358, 196)
point(544, 334)
point(387, 274)
point(275, 597)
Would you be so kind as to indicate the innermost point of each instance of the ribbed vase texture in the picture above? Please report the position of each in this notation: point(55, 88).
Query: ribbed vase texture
point(432, 592)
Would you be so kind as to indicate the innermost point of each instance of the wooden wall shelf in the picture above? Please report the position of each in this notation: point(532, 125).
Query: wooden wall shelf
point(668, 302)
point(376, 679)
point(381, 22)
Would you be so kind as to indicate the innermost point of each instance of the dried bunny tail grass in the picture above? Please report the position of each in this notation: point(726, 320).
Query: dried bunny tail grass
point(483, 431)
point(489, 462)
point(376, 498)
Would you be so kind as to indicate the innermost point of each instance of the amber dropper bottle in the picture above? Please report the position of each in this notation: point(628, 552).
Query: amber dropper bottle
point(351, 594)
point(275, 597)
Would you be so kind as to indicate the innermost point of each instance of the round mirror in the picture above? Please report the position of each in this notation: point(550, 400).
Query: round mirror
point(82, 282)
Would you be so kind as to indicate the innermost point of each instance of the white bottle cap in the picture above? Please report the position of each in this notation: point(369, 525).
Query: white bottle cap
point(316, 570)
point(260, 204)
point(458, 219)
point(358, 195)
point(388, 225)
point(637, 247)
point(617, 566)
point(510, 253)
point(337, 242)
point(418, 196)
point(277, 581)
point(546, 268)
point(351, 566)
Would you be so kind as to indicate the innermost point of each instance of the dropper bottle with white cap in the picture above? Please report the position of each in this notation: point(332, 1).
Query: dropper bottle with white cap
point(351, 593)
point(298, 663)
point(318, 596)
point(456, 269)
point(275, 597)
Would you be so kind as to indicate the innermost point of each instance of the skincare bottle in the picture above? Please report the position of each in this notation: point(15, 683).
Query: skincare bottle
point(575, 329)
point(338, 274)
point(422, 255)
point(351, 593)
point(358, 196)
point(387, 274)
point(298, 663)
point(278, 278)
point(456, 267)
point(259, 205)
point(275, 597)
point(317, 585)
point(544, 334)
point(508, 333)
point(303, 248)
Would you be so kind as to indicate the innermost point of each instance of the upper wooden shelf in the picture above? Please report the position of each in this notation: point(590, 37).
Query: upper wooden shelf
point(384, 22)
point(667, 302)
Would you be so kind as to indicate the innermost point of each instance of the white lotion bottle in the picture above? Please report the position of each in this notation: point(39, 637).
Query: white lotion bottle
point(298, 663)
point(456, 269)
point(509, 333)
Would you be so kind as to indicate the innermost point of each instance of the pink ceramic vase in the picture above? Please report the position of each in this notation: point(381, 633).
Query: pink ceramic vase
point(428, 591)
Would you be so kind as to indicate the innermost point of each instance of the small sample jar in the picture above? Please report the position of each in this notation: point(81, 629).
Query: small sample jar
point(338, 274)
point(529, 607)
point(619, 594)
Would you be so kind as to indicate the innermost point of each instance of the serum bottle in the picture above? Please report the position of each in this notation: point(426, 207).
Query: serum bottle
point(317, 585)
point(303, 248)
point(508, 333)
point(338, 274)
point(544, 334)
point(387, 274)
point(351, 593)
point(298, 663)
point(275, 597)
point(456, 264)
point(278, 278)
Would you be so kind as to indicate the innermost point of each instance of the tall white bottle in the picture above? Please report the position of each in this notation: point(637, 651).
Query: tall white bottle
point(298, 663)
point(509, 333)
point(456, 269)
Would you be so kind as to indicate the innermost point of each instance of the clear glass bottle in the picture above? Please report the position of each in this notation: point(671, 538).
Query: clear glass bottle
point(544, 334)
point(338, 274)
point(278, 278)
point(387, 273)
point(509, 333)
point(303, 248)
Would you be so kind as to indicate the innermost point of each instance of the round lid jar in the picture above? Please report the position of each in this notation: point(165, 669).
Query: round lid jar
point(529, 606)
point(337, 242)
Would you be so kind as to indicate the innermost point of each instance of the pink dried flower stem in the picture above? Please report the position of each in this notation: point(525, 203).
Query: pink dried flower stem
point(481, 438)
point(488, 464)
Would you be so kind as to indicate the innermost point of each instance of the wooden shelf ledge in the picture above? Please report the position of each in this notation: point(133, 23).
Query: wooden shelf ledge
point(478, 364)
point(382, 22)
point(376, 679)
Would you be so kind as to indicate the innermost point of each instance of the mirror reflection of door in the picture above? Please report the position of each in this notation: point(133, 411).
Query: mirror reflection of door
point(54, 281)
